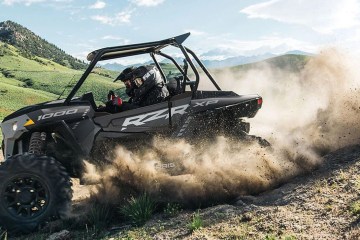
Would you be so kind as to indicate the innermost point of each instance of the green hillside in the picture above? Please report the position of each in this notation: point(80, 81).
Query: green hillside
point(30, 45)
point(290, 62)
point(26, 81)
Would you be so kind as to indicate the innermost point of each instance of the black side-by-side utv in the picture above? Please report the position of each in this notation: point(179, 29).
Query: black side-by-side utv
point(44, 144)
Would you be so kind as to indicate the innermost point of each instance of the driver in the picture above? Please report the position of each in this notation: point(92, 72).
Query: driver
point(144, 85)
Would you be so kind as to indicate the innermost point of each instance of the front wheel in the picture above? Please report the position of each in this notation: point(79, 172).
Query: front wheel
point(33, 189)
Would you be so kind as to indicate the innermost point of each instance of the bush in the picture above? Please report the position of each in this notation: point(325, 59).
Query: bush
point(355, 208)
point(28, 82)
point(172, 209)
point(270, 237)
point(99, 215)
point(7, 73)
point(139, 210)
point(196, 222)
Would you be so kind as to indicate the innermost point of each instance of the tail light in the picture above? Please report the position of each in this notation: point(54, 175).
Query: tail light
point(259, 102)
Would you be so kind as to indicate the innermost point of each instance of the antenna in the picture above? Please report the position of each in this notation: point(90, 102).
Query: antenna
point(66, 86)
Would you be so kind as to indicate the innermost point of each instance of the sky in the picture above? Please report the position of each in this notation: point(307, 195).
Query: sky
point(219, 28)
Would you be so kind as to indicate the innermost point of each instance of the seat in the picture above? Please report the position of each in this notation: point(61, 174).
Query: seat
point(174, 85)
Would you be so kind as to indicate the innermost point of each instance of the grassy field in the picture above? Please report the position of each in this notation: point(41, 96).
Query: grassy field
point(43, 74)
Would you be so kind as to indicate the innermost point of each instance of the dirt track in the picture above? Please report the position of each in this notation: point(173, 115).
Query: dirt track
point(316, 205)
point(312, 206)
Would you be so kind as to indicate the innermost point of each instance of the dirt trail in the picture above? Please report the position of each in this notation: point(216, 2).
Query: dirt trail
point(312, 206)
point(317, 205)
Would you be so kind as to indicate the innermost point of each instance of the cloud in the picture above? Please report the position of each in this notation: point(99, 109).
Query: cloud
point(120, 40)
point(119, 19)
point(98, 5)
point(25, 2)
point(195, 32)
point(30, 2)
point(322, 16)
point(225, 47)
point(147, 3)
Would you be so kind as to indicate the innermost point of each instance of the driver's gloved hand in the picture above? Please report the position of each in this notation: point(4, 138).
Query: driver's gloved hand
point(117, 101)
point(111, 95)
point(114, 105)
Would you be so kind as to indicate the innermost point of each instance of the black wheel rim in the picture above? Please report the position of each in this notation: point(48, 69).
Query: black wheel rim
point(25, 196)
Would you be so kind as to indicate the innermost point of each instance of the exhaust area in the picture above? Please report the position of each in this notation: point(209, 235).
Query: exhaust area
point(306, 113)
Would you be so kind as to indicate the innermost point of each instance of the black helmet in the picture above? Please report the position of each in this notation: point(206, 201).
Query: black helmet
point(127, 73)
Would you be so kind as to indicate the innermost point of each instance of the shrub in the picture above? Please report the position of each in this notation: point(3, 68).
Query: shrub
point(28, 82)
point(172, 209)
point(139, 210)
point(289, 238)
point(270, 237)
point(196, 222)
point(99, 215)
point(355, 208)
point(7, 73)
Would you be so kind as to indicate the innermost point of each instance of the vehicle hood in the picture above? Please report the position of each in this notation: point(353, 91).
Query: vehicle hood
point(32, 108)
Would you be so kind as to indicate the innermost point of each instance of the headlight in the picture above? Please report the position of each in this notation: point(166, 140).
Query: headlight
point(14, 126)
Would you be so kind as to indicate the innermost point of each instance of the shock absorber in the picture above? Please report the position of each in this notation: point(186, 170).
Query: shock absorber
point(37, 143)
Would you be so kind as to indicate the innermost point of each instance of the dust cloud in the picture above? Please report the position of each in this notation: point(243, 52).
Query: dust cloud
point(305, 114)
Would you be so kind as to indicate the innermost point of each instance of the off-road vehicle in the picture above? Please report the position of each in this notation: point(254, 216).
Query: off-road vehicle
point(44, 144)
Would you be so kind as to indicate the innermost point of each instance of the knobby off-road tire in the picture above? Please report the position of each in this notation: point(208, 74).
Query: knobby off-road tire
point(33, 190)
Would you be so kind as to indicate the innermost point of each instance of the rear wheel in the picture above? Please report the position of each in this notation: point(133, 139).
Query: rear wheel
point(33, 189)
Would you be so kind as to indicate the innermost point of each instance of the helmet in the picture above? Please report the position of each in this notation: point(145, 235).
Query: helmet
point(127, 73)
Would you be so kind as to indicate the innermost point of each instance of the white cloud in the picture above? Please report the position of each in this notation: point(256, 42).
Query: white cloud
point(148, 3)
point(81, 55)
point(119, 40)
point(321, 16)
point(118, 19)
point(195, 32)
point(30, 2)
point(25, 2)
point(98, 5)
point(226, 47)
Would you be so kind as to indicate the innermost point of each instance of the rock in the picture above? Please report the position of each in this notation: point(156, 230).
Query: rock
point(62, 235)
point(240, 203)
point(246, 217)
point(246, 199)
point(250, 207)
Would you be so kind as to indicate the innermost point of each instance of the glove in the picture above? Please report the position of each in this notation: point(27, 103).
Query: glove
point(111, 95)
point(114, 103)
point(117, 101)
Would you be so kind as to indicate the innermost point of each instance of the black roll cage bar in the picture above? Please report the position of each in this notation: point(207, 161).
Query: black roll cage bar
point(153, 48)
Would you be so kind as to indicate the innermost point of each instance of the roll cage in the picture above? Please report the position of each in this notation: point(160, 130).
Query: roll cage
point(152, 48)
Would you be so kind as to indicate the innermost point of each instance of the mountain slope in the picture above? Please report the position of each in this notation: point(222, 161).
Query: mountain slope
point(31, 45)
point(291, 62)
point(43, 79)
